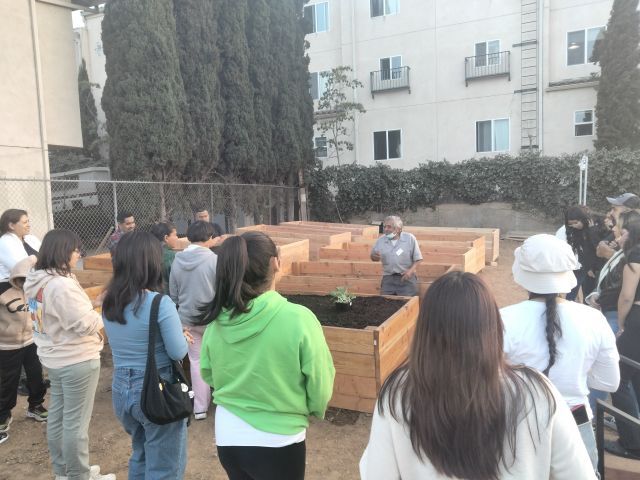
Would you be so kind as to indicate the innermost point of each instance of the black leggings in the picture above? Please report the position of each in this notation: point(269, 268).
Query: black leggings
point(264, 463)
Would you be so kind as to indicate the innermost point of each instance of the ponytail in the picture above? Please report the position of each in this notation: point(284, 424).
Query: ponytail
point(243, 273)
point(553, 329)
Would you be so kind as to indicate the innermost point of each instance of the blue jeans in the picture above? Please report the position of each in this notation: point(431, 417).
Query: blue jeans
point(159, 451)
point(594, 395)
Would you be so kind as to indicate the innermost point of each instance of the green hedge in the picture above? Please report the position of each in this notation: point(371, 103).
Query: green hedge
point(530, 182)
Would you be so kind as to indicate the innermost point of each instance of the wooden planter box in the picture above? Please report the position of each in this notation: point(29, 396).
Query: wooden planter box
point(365, 231)
point(364, 358)
point(491, 237)
point(317, 237)
point(100, 262)
point(467, 256)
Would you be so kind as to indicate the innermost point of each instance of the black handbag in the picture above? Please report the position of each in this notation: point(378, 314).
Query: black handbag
point(164, 401)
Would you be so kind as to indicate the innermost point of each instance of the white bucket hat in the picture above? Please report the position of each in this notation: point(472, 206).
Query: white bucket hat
point(545, 264)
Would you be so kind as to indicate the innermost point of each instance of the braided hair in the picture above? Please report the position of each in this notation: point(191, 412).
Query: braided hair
point(553, 330)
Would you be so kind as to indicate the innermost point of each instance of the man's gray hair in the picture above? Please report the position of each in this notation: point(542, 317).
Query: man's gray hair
point(394, 220)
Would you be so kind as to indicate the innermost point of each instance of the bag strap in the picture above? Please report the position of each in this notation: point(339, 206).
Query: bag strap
point(153, 328)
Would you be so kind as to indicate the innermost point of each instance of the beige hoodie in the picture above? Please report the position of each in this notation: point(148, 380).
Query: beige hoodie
point(15, 323)
point(66, 327)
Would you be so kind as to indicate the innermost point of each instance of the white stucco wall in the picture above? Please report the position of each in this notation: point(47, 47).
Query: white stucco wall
point(438, 117)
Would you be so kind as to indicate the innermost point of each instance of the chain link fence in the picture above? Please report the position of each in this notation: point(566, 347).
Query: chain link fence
point(90, 207)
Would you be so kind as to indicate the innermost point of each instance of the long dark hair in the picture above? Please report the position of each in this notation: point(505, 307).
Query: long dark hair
point(55, 251)
point(461, 401)
point(578, 238)
point(137, 267)
point(630, 221)
point(243, 273)
point(12, 215)
point(552, 329)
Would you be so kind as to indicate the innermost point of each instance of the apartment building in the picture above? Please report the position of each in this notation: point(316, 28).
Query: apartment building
point(39, 103)
point(454, 79)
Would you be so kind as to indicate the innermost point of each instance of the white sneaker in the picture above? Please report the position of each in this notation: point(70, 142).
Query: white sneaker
point(200, 416)
point(94, 474)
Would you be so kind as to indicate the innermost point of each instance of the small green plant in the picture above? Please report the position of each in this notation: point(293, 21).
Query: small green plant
point(342, 295)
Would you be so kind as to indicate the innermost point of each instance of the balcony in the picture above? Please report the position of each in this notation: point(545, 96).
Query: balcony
point(390, 79)
point(490, 65)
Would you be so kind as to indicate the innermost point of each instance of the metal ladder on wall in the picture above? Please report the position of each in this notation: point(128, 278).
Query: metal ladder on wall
point(529, 75)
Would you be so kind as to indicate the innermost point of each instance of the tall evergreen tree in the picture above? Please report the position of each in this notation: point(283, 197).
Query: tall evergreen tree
point(144, 99)
point(618, 54)
point(197, 34)
point(284, 38)
point(261, 75)
point(238, 148)
point(88, 115)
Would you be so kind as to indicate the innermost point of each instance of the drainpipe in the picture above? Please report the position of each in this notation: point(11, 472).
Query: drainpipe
point(542, 58)
point(355, 75)
point(44, 149)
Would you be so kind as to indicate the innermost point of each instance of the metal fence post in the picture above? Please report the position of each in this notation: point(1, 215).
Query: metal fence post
point(115, 204)
point(211, 210)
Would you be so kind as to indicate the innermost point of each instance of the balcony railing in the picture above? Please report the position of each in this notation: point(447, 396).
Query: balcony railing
point(390, 79)
point(489, 65)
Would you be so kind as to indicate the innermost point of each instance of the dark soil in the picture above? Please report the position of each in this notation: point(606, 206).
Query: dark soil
point(366, 311)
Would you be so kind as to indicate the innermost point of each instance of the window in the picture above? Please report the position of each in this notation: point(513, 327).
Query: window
point(492, 135)
point(317, 84)
point(320, 146)
point(387, 144)
point(316, 17)
point(384, 7)
point(391, 67)
point(580, 45)
point(487, 53)
point(583, 123)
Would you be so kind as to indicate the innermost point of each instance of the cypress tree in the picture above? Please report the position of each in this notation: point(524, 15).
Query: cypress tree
point(197, 37)
point(286, 102)
point(143, 98)
point(618, 54)
point(88, 115)
point(238, 150)
point(261, 72)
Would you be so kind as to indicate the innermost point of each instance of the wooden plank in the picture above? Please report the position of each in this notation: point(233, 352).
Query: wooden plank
point(98, 262)
point(92, 278)
point(363, 387)
point(367, 231)
point(354, 364)
point(349, 402)
point(398, 322)
point(349, 340)
point(397, 354)
point(425, 271)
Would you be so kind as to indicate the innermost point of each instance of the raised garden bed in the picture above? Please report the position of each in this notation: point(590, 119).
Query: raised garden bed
point(467, 255)
point(364, 357)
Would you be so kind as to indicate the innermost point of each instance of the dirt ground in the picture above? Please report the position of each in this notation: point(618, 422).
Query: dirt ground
point(333, 447)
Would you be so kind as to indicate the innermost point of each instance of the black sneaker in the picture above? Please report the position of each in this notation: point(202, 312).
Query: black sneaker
point(4, 424)
point(38, 413)
point(4, 436)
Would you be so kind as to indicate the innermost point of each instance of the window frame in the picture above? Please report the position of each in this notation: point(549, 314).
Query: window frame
point(373, 140)
point(391, 68)
point(316, 147)
point(585, 38)
point(384, 13)
point(318, 79)
point(493, 147)
point(315, 16)
point(487, 55)
point(592, 122)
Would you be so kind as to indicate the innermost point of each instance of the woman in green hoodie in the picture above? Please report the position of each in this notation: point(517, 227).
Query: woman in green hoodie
point(267, 361)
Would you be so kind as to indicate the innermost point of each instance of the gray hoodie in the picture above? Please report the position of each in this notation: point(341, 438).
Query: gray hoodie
point(192, 281)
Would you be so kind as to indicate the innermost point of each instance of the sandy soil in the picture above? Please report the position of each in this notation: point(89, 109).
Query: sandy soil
point(333, 447)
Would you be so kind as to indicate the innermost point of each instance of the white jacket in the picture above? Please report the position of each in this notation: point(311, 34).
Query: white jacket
point(12, 251)
point(558, 452)
point(66, 327)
